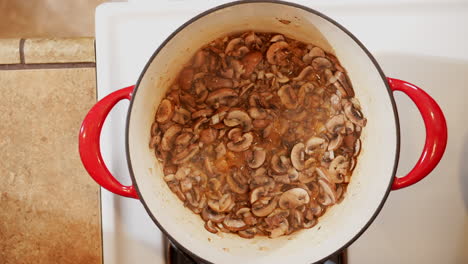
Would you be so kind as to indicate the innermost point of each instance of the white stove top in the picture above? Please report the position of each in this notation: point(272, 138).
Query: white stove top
point(419, 42)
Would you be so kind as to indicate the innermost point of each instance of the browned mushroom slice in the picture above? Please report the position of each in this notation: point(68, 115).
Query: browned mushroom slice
point(232, 45)
point(209, 215)
point(186, 184)
point(257, 193)
point(293, 174)
point(316, 52)
point(215, 82)
point(341, 77)
point(313, 143)
point(315, 209)
point(168, 137)
point(339, 167)
point(242, 145)
point(297, 156)
point(183, 139)
point(252, 39)
point(279, 165)
point(256, 157)
point(223, 96)
point(264, 206)
point(186, 154)
point(324, 174)
point(181, 115)
point(199, 58)
point(276, 47)
point(288, 96)
point(182, 173)
point(233, 224)
point(280, 230)
point(335, 142)
point(307, 175)
point(211, 227)
point(248, 233)
point(336, 124)
point(328, 194)
point(237, 182)
point(357, 147)
point(222, 205)
point(321, 63)
point(260, 123)
point(293, 198)
point(277, 38)
point(220, 150)
point(235, 134)
point(165, 111)
point(169, 178)
point(258, 113)
point(309, 223)
point(304, 73)
point(238, 117)
point(250, 62)
point(155, 140)
point(296, 219)
point(186, 78)
point(208, 135)
point(353, 114)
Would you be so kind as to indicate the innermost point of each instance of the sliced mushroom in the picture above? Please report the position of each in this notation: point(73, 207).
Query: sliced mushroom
point(263, 207)
point(336, 124)
point(209, 215)
point(232, 44)
point(242, 145)
point(256, 157)
point(169, 136)
point(258, 113)
point(328, 193)
point(280, 230)
point(222, 205)
point(341, 77)
point(199, 59)
point(324, 174)
point(296, 219)
point(279, 165)
point(335, 142)
point(186, 154)
point(233, 224)
point(223, 96)
point(257, 193)
point(274, 48)
point(186, 78)
point(313, 143)
point(236, 182)
point(238, 117)
point(277, 38)
point(315, 209)
point(293, 174)
point(215, 82)
point(316, 52)
point(165, 111)
point(235, 134)
point(260, 123)
point(248, 233)
point(202, 113)
point(354, 115)
point(250, 62)
point(338, 168)
point(309, 223)
point(252, 39)
point(293, 198)
point(288, 96)
point(321, 63)
point(297, 156)
point(304, 73)
point(357, 147)
point(211, 227)
point(181, 115)
point(208, 135)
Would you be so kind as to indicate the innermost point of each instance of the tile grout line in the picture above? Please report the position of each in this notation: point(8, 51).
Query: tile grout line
point(47, 66)
point(21, 50)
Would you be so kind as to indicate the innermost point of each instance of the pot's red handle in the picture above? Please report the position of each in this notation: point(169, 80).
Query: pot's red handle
point(89, 143)
point(436, 133)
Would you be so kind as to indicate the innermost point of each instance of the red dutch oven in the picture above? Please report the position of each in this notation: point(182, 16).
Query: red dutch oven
point(372, 179)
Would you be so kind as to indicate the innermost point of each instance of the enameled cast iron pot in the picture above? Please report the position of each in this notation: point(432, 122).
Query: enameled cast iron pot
point(372, 179)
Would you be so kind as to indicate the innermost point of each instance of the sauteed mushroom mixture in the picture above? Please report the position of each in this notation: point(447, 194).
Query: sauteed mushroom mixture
point(259, 134)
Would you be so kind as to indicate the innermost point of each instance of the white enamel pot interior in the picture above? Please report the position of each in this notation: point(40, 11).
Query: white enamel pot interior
point(371, 180)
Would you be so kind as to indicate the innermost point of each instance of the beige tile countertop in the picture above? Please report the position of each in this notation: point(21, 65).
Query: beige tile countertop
point(49, 206)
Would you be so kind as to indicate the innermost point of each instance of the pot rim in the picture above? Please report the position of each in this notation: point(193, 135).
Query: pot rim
point(240, 2)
